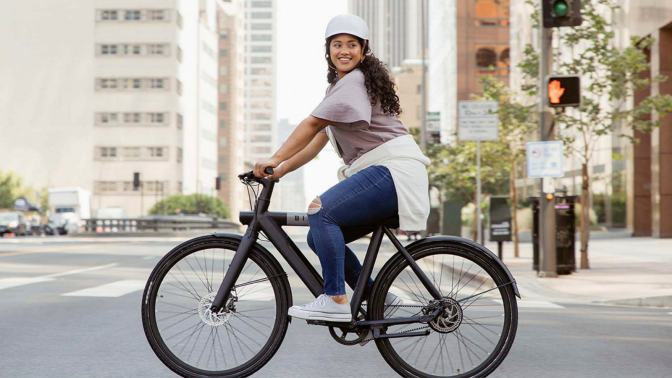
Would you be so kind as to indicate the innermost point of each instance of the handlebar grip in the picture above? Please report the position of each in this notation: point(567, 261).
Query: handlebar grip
point(268, 170)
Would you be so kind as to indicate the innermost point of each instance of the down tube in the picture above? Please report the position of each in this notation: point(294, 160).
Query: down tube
point(292, 255)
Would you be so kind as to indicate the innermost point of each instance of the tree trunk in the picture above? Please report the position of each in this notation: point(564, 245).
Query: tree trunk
point(585, 217)
point(514, 221)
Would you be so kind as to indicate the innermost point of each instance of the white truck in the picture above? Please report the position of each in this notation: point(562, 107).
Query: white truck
point(69, 206)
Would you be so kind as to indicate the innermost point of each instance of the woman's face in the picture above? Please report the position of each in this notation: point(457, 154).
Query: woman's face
point(345, 52)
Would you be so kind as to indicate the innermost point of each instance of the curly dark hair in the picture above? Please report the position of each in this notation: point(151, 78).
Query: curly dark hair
point(380, 85)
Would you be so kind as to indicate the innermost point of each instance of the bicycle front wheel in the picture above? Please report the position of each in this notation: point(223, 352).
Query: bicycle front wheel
point(195, 342)
point(477, 328)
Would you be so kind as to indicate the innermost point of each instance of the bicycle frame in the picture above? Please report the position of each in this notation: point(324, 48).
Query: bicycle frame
point(271, 224)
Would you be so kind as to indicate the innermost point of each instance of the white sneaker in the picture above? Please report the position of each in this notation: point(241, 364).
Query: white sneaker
point(322, 308)
point(391, 306)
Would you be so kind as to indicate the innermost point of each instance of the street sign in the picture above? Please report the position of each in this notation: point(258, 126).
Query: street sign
point(500, 219)
point(479, 121)
point(564, 91)
point(434, 121)
point(545, 159)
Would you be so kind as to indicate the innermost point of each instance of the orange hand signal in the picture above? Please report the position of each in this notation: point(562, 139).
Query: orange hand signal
point(555, 91)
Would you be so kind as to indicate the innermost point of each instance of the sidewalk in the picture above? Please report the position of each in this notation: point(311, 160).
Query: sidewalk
point(623, 271)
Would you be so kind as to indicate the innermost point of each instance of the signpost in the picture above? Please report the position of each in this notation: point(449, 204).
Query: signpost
point(478, 121)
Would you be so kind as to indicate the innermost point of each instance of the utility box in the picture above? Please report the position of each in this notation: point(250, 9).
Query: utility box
point(565, 233)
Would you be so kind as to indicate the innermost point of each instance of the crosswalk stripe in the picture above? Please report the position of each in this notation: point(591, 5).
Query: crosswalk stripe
point(533, 304)
point(6, 283)
point(111, 290)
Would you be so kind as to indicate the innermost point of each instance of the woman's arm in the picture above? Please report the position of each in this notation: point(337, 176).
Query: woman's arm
point(300, 138)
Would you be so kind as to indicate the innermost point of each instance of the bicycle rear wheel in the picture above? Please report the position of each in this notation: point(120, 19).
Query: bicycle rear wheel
point(476, 330)
point(190, 339)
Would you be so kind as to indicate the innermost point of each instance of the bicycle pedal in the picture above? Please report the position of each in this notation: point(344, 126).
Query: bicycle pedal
point(316, 322)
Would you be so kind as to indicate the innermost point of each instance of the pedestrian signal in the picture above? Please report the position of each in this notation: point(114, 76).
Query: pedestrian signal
point(559, 13)
point(564, 91)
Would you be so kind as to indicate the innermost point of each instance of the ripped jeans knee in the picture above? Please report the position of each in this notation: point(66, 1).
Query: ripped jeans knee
point(315, 206)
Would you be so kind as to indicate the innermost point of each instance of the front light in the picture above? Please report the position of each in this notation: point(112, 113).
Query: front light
point(13, 224)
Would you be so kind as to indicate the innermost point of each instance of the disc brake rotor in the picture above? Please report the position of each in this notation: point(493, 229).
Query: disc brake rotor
point(450, 319)
point(209, 317)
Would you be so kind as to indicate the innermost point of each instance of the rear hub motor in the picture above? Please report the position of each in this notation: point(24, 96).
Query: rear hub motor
point(449, 319)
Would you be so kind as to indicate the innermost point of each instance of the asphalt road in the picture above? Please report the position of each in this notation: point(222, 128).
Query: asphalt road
point(49, 327)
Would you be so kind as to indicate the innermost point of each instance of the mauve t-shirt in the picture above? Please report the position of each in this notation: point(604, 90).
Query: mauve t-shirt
point(357, 126)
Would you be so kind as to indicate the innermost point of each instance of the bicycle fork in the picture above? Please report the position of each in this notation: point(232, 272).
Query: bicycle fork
point(235, 268)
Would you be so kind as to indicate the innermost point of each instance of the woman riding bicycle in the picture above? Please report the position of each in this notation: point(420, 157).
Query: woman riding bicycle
point(384, 173)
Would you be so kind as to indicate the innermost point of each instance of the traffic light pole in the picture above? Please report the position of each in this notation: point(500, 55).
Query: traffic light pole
point(548, 261)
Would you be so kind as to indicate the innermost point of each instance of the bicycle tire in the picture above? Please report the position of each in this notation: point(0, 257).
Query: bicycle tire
point(397, 265)
point(278, 283)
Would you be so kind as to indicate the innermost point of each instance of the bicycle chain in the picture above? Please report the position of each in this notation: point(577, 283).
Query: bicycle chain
point(408, 330)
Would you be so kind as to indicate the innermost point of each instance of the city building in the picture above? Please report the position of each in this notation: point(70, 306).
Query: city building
point(291, 190)
point(261, 129)
point(395, 28)
point(97, 91)
point(231, 110)
point(408, 78)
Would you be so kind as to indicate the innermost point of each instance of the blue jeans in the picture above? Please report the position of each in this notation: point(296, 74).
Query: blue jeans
point(368, 196)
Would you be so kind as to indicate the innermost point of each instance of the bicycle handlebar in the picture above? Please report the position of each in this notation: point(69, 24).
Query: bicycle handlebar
point(249, 176)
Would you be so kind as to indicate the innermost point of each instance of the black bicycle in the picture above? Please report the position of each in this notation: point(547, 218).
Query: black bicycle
point(216, 305)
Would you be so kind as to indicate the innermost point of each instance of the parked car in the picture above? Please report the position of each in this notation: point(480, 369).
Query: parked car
point(13, 223)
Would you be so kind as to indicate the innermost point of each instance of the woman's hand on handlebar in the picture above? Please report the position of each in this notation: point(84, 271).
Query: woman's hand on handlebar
point(261, 165)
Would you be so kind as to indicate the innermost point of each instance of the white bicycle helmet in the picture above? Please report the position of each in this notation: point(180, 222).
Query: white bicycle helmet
point(347, 24)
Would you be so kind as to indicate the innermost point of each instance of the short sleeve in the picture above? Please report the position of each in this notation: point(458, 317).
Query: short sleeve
point(347, 105)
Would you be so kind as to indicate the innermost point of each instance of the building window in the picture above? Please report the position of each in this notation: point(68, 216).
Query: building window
point(262, 49)
point(109, 118)
point(222, 177)
point(492, 60)
point(107, 152)
point(261, 71)
point(261, 127)
point(222, 141)
point(261, 150)
point(132, 15)
point(131, 117)
point(261, 15)
point(179, 186)
point(261, 138)
point(491, 13)
point(208, 107)
point(210, 52)
point(156, 83)
point(179, 54)
point(132, 152)
point(485, 57)
point(260, 26)
point(108, 83)
point(179, 87)
point(158, 49)
point(179, 154)
point(262, 4)
point(260, 116)
point(131, 83)
point(222, 159)
point(262, 37)
point(180, 121)
point(262, 105)
point(223, 89)
point(158, 15)
point(157, 117)
point(223, 70)
point(261, 59)
point(222, 124)
point(110, 15)
point(223, 53)
point(155, 152)
point(222, 105)
point(223, 34)
point(105, 186)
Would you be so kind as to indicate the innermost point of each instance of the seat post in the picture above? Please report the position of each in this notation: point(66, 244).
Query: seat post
point(367, 269)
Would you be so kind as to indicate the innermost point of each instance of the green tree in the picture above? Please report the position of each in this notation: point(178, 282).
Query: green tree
point(516, 121)
point(453, 172)
point(609, 78)
point(191, 204)
point(11, 188)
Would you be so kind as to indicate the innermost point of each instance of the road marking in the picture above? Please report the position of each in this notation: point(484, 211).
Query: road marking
point(6, 283)
point(533, 304)
point(111, 290)
point(49, 250)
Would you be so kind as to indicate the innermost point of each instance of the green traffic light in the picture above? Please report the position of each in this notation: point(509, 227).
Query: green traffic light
point(560, 8)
